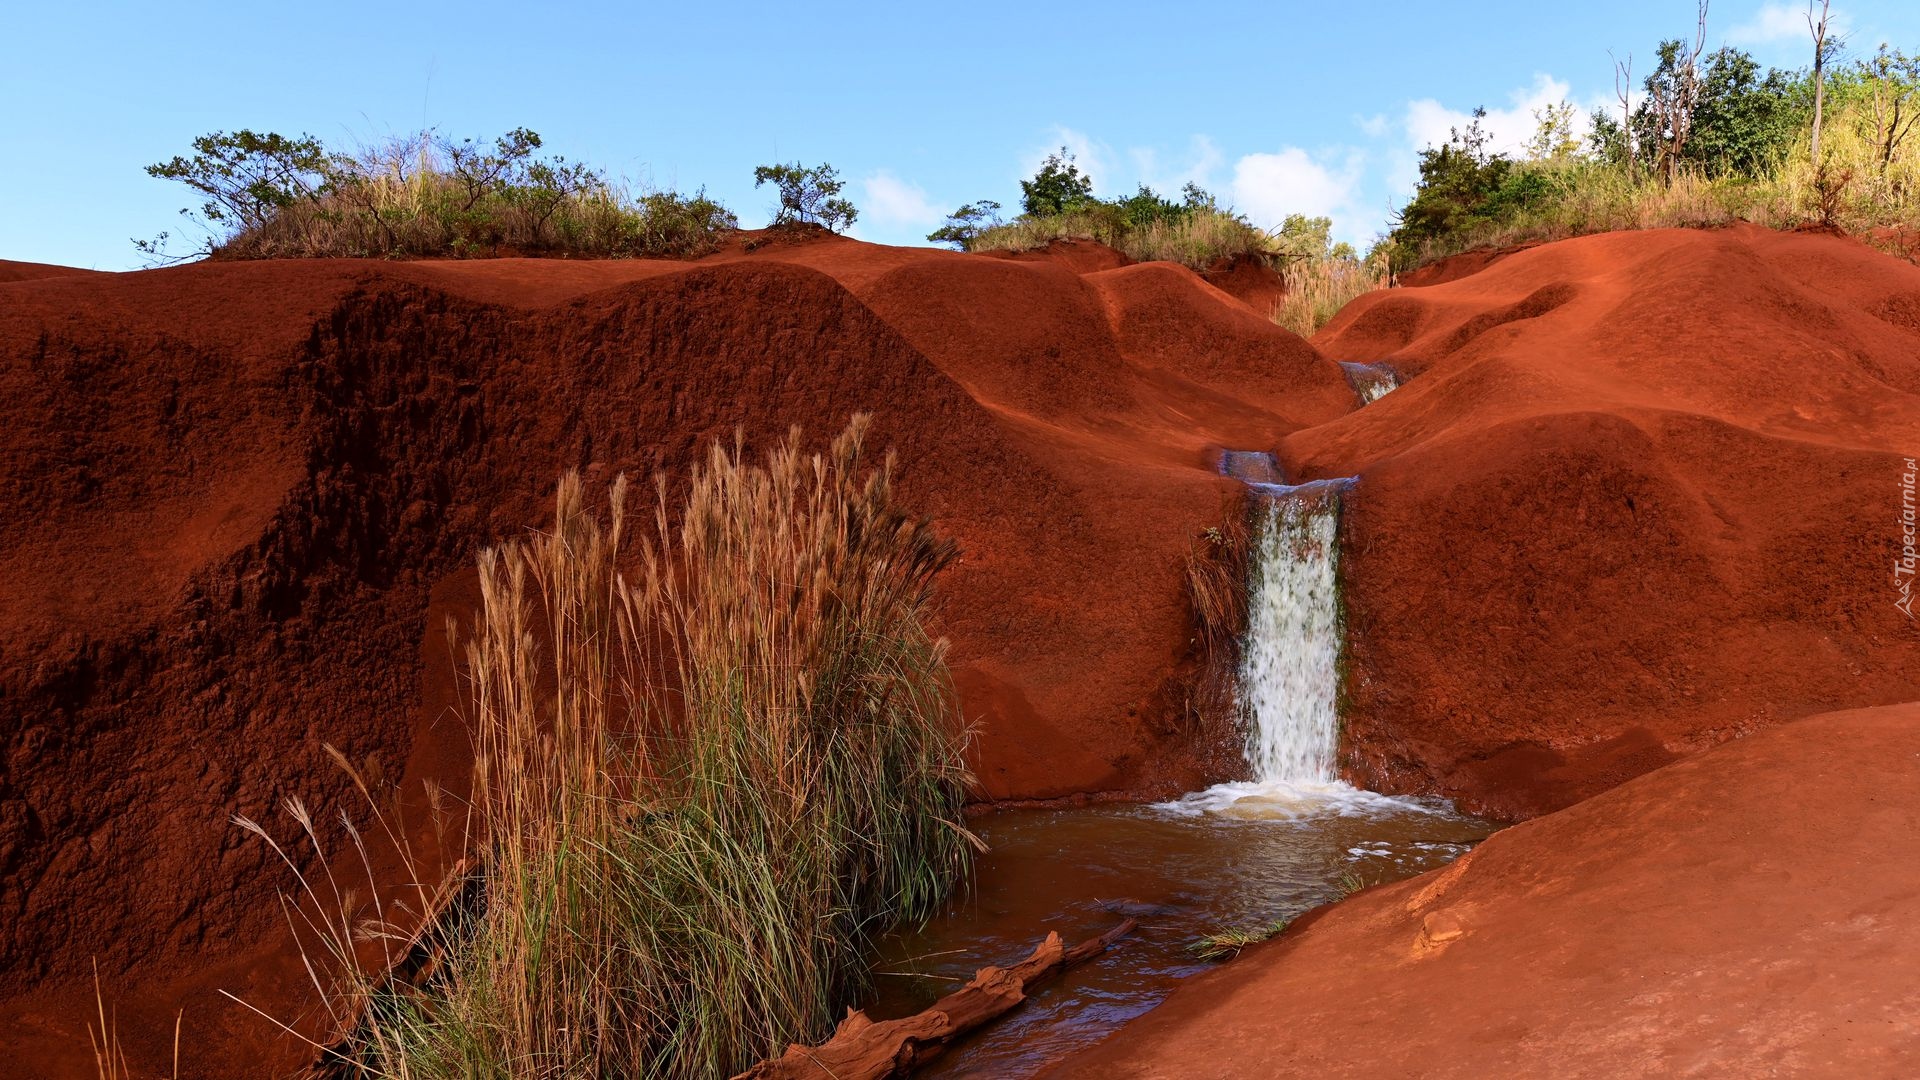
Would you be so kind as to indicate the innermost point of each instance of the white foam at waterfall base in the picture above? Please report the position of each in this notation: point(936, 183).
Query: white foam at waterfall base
point(1289, 678)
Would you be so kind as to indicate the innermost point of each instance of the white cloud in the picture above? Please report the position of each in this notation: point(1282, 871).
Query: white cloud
point(1094, 158)
point(1168, 177)
point(892, 201)
point(1430, 123)
point(1775, 23)
point(1268, 187)
point(1374, 126)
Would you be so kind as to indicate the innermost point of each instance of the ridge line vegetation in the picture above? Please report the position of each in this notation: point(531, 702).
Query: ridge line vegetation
point(426, 195)
point(1058, 203)
point(1705, 139)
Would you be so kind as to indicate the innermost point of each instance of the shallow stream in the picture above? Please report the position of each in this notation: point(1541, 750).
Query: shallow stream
point(1234, 857)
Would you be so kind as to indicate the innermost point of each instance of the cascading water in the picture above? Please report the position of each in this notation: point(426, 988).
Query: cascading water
point(1371, 381)
point(1290, 659)
point(1289, 677)
point(1237, 855)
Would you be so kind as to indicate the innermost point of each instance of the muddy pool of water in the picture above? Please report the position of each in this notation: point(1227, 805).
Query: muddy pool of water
point(1234, 857)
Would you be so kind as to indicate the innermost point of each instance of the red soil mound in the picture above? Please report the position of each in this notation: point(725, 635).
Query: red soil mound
point(1080, 256)
point(240, 498)
point(1454, 267)
point(27, 271)
point(1639, 496)
point(1747, 912)
point(1252, 281)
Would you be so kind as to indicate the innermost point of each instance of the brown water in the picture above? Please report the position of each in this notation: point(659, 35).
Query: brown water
point(1236, 857)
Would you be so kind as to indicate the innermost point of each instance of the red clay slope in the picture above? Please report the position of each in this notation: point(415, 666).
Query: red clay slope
point(1748, 912)
point(1637, 498)
point(1639, 495)
point(239, 499)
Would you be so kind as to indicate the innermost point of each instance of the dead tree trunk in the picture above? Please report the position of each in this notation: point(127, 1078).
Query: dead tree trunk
point(1623, 89)
point(1818, 28)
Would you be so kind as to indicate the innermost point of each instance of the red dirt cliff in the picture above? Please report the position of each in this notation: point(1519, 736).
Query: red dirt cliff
point(1636, 498)
point(240, 499)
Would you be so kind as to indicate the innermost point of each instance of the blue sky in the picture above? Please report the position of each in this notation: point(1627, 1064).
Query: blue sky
point(1277, 107)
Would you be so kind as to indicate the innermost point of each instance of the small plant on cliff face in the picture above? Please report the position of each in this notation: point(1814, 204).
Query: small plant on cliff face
point(1216, 574)
point(807, 195)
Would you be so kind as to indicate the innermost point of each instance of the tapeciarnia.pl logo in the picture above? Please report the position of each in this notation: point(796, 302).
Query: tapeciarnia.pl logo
point(1903, 565)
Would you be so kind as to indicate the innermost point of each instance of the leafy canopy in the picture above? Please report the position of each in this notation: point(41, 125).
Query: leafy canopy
point(1059, 187)
point(807, 195)
point(247, 176)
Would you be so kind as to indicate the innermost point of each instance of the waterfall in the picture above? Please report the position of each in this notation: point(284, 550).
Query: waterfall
point(1290, 657)
point(1290, 660)
point(1288, 685)
point(1371, 381)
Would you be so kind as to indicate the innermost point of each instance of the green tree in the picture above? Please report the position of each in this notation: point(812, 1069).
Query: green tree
point(807, 195)
point(1553, 134)
point(1607, 140)
point(1304, 237)
point(1456, 181)
point(1146, 206)
point(965, 225)
point(1058, 187)
point(1196, 198)
point(1743, 123)
point(480, 171)
point(248, 176)
point(1893, 90)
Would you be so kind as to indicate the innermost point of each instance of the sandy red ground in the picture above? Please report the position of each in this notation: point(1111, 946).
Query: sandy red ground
point(1634, 501)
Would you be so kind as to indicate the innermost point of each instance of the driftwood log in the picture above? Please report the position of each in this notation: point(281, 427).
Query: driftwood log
point(863, 1049)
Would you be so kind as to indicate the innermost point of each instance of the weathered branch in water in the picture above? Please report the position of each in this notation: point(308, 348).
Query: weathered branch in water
point(862, 1049)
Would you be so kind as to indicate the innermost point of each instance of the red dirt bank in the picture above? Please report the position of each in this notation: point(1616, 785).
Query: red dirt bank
point(1638, 496)
point(1748, 912)
point(240, 498)
point(1634, 501)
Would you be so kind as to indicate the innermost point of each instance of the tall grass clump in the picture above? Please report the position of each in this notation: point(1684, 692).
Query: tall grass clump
point(707, 773)
point(1318, 288)
point(1580, 198)
point(425, 195)
point(1029, 233)
point(1200, 240)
